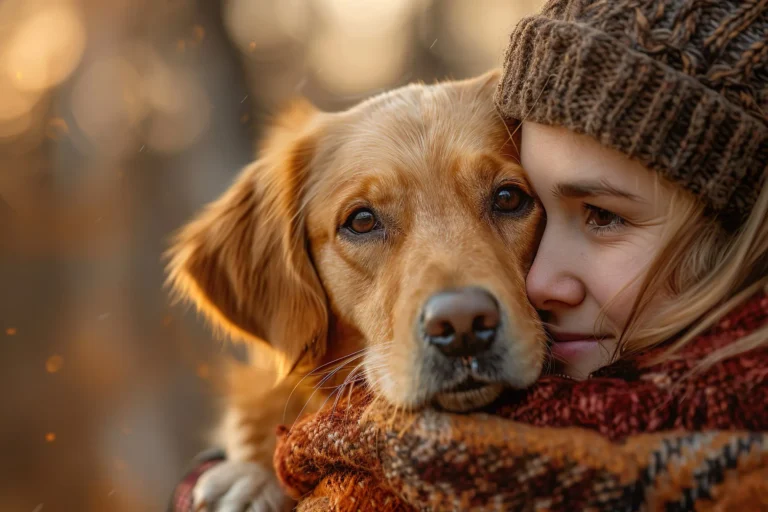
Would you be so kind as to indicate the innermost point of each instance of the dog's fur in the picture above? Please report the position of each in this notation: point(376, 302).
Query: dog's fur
point(272, 261)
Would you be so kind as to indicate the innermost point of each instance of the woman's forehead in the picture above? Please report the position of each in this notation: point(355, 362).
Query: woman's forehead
point(571, 164)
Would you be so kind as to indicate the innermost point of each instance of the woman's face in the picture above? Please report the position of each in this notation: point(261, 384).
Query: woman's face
point(605, 220)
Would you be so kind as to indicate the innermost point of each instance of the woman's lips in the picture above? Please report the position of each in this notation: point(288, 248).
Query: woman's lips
point(569, 346)
point(567, 351)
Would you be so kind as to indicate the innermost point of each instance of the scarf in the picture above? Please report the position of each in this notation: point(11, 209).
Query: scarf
point(633, 437)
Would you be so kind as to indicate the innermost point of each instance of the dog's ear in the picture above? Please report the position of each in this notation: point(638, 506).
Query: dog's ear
point(244, 261)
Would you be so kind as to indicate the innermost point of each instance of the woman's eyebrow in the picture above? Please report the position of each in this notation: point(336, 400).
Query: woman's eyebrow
point(591, 188)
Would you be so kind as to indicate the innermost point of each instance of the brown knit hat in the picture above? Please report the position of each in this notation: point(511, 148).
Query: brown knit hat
point(679, 85)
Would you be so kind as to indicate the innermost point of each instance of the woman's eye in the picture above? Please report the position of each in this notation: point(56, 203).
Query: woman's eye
point(600, 219)
point(510, 199)
point(362, 221)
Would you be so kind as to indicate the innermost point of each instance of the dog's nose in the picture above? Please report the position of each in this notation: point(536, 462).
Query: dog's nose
point(461, 322)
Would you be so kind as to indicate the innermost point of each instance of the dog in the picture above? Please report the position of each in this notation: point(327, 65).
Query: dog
point(394, 236)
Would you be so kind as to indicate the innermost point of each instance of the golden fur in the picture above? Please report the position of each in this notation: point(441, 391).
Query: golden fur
point(268, 261)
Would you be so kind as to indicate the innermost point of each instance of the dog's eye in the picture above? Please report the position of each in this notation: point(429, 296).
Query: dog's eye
point(510, 199)
point(362, 221)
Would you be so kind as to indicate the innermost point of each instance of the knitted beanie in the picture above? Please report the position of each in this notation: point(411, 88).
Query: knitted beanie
point(679, 85)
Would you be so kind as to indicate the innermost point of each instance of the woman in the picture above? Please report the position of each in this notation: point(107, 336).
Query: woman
point(645, 137)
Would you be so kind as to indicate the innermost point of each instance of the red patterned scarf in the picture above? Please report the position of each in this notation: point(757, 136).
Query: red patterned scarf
point(631, 437)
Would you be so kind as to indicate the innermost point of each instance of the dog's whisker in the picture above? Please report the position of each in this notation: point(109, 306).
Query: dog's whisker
point(349, 400)
point(372, 405)
point(356, 354)
point(346, 359)
point(346, 380)
point(341, 365)
point(327, 377)
point(323, 381)
point(337, 391)
point(361, 366)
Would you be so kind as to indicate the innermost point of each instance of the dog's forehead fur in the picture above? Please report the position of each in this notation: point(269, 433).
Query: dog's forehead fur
point(421, 139)
point(422, 124)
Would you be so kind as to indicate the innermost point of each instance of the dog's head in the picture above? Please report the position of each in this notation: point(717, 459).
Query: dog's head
point(403, 226)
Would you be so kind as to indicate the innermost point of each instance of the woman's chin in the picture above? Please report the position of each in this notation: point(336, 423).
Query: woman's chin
point(578, 360)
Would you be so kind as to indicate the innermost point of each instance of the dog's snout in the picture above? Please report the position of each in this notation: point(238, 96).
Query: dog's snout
point(461, 322)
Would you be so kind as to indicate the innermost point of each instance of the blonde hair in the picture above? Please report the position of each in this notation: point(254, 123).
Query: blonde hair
point(702, 273)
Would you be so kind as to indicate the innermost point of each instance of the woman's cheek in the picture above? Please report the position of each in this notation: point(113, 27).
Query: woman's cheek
point(617, 284)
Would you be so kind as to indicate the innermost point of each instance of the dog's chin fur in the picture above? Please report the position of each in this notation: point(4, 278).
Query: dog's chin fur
point(272, 262)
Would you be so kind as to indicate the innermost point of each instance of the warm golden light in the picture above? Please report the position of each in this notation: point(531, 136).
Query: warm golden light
point(15, 103)
point(56, 128)
point(108, 104)
point(50, 437)
point(199, 33)
point(16, 126)
point(180, 109)
point(354, 68)
point(54, 364)
point(479, 30)
point(46, 48)
point(366, 18)
point(256, 24)
point(203, 371)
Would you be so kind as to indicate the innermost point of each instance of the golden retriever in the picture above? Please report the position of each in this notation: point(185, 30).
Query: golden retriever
point(397, 235)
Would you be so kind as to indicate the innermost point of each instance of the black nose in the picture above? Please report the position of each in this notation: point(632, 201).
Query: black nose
point(461, 322)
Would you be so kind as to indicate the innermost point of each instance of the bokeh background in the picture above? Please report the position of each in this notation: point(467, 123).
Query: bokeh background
point(118, 120)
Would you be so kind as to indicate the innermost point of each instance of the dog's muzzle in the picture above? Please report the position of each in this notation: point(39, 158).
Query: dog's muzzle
point(462, 325)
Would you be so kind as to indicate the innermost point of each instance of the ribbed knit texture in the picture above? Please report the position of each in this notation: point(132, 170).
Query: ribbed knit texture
point(679, 85)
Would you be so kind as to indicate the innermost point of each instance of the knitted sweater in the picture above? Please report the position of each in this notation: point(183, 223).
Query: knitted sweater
point(641, 442)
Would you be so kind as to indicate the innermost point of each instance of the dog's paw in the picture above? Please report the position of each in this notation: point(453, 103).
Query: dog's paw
point(239, 487)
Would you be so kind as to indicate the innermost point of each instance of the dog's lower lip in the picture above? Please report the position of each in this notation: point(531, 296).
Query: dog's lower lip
point(471, 399)
point(466, 385)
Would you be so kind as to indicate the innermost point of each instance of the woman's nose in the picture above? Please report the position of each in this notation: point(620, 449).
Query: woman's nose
point(552, 282)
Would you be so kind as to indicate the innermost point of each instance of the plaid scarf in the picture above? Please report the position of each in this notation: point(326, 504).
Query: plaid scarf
point(633, 437)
